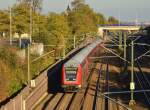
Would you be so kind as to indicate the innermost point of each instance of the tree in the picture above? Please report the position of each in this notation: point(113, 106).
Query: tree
point(21, 19)
point(37, 4)
point(57, 25)
point(112, 20)
point(100, 19)
point(4, 22)
point(81, 20)
point(51, 29)
point(76, 3)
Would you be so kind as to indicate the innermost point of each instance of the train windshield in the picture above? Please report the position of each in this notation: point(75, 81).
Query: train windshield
point(71, 74)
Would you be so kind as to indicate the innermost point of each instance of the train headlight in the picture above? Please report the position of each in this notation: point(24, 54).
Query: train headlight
point(79, 86)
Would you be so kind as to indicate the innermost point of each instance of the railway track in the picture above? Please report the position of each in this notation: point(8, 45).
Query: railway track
point(90, 98)
point(106, 102)
point(82, 100)
point(93, 97)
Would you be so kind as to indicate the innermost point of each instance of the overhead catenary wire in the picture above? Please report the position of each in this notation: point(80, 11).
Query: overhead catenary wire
point(139, 67)
point(126, 92)
point(142, 88)
point(116, 102)
point(142, 55)
point(142, 44)
point(115, 54)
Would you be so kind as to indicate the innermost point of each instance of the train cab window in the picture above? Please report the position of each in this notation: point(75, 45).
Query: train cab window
point(71, 74)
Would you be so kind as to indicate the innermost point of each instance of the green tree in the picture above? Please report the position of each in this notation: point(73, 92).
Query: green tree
point(112, 20)
point(57, 26)
point(76, 3)
point(4, 21)
point(37, 4)
point(21, 19)
point(100, 19)
point(82, 20)
point(40, 32)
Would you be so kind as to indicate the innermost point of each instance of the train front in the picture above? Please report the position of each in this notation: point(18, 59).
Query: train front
point(71, 77)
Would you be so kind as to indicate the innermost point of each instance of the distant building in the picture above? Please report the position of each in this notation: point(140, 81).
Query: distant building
point(68, 10)
point(23, 39)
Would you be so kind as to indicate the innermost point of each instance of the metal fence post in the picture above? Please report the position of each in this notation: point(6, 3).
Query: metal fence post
point(14, 106)
point(28, 63)
point(74, 41)
point(24, 105)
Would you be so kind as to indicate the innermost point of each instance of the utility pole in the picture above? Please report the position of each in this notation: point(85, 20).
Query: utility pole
point(28, 63)
point(74, 41)
point(120, 40)
point(125, 48)
point(31, 21)
point(64, 52)
point(10, 26)
point(132, 84)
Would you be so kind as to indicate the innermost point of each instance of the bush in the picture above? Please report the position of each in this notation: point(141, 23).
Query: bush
point(14, 87)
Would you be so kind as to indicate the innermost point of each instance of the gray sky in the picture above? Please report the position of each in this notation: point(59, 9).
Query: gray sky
point(126, 10)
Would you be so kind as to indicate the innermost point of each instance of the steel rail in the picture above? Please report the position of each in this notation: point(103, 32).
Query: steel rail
point(116, 102)
point(107, 86)
point(97, 88)
point(142, 88)
point(139, 67)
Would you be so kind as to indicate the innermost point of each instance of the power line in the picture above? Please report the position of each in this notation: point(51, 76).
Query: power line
point(138, 64)
point(142, 88)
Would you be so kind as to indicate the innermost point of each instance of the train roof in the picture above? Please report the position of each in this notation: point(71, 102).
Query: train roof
point(80, 56)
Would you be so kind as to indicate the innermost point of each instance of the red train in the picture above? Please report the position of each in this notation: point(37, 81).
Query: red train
point(75, 70)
